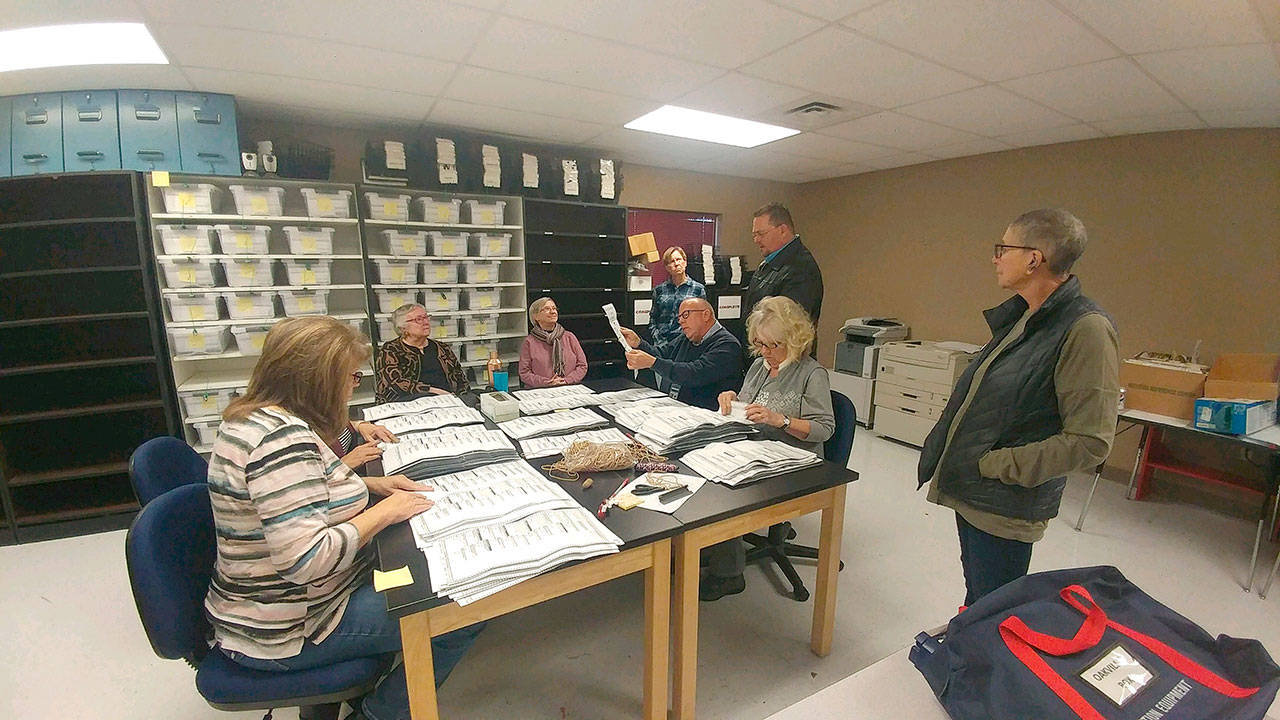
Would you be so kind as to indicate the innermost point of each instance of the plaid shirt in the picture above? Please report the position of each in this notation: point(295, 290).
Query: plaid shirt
point(663, 325)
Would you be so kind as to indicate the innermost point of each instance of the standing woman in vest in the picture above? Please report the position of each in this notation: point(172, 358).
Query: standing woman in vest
point(1039, 402)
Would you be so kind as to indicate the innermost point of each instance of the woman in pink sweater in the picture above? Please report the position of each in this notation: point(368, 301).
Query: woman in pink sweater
point(550, 354)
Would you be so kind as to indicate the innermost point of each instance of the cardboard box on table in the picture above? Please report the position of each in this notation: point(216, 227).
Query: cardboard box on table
point(1251, 376)
point(1162, 387)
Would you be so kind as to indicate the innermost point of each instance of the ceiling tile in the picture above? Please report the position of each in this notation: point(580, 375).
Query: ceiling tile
point(756, 163)
point(658, 150)
point(992, 39)
point(482, 86)
point(1241, 118)
point(431, 28)
point(59, 12)
point(1150, 123)
point(277, 90)
point(839, 62)
point(977, 146)
point(1221, 78)
point(565, 57)
point(1051, 136)
point(828, 9)
point(513, 122)
point(987, 110)
point(1108, 89)
point(741, 96)
point(1139, 26)
point(901, 159)
point(93, 77)
point(833, 150)
point(724, 33)
point(898, 131)
point(828, 173)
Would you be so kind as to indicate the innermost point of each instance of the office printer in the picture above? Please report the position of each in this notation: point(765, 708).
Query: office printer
point(857, 354)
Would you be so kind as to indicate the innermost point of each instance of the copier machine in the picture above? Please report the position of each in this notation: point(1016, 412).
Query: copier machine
point(858, 357)
point(913, 384)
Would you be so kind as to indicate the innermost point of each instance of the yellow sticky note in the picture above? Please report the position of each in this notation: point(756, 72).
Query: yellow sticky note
point(391, 209)
point(160, 178)
point(399, 577)
point(308, 243)
point(196, 341)
point(409, 246)
point(324, 204)
point(258, 205)
point(244, 241)
point(397, 274)
point(308, 276)
point(186, 201)
point(244, 304)
point(486, 218)
point(444, 213)
point(208, 402)
point(187, 275)
point(257, 341)
point(306, 304)
point(187, 243)
point(248, 271)
point(195, 312)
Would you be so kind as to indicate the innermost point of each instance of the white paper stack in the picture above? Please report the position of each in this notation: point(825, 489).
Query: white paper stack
point(499, 493)
point(411, 407)
point(439, 452)
point(535, 402)
point(552, 423)
point(553, 392)
point(555, 444)
point(631, 415)
point(748, 460)
point(395, 155)
point(433, 420)
point(629, 395)
point(669, 430)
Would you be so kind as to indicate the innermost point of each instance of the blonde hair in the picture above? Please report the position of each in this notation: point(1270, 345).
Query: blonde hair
point(784, 320)
point(304, 368)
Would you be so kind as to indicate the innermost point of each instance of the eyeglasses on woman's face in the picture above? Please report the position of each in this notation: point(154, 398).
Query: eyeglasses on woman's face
point(423, 318)
point(761, 346)
point(356, 377)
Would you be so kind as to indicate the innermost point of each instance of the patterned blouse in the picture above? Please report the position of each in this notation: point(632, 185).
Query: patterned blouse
point(405, 372)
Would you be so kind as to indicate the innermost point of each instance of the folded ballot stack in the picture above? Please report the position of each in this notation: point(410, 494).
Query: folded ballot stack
point(748, 460)
point(433, 420)
point(673, 430)
point(552, 423)
point(555, 444)
point(379, 413)
point(439, 452)
point(565, 397)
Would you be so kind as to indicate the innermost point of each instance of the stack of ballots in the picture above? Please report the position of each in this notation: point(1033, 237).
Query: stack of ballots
point(433, 420)
point(632, 414)
point(438, 452)
point(492, 528)
point(544, 400)
point(672, 430)
point(552, 423)
point(412, 407)
point(748, 460)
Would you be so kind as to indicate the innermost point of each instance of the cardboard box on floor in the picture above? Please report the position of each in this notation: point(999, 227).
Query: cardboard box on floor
point(1251, 376)
point(1162, 387)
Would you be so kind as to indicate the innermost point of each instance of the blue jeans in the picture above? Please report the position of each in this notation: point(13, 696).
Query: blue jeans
point(989, 562)
point(366, 629)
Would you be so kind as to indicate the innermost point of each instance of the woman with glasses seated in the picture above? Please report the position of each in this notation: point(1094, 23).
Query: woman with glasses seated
point(413, 364)
point(786, 389)
point(550, 355)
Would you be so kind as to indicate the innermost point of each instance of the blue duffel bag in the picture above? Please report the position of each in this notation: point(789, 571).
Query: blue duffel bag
point(1087, 644)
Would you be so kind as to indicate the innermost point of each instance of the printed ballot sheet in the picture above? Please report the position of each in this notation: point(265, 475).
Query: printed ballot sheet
point(553, 445)
point(737, 463)
point(497, 493)
point(433, 420)
point(411, 407)
point(552, 423)
point(453, 449)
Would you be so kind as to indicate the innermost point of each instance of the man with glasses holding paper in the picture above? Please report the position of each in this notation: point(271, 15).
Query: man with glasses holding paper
point(702, 363)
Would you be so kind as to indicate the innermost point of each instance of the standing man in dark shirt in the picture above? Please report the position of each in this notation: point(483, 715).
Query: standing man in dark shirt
point(704, 362)
point(788, 268)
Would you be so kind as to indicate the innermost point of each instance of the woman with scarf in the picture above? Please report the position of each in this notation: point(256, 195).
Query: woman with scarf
point(550, 354)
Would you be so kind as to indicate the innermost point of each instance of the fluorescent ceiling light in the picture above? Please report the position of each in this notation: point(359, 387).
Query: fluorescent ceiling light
point(698, 125)
point(86, 44)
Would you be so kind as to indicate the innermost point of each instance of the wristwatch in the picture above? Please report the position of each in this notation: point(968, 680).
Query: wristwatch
point(786, 422)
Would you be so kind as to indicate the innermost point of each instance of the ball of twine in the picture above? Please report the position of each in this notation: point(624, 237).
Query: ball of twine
point(585, 456)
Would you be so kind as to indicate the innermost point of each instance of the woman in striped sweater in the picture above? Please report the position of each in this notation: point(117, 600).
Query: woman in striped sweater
point(291, 587)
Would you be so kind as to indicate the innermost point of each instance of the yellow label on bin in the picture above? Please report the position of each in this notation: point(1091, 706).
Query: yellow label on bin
point(244, 241)
point(186, 201)
point(486, 302)
point(258, 205)
point(324, 204)
point(244, 304)
point(391, 208)
point(248, 271)
point(397, 274)
point(187, 275)
point(187, 243)
point(257, 340)
point(196, 341)
point(444, 212)
point(306, 304)
point(308, 276)
point(160, 178)
point(308, 243)
point(195, 312)
point(410, 246)
point(486, 217)
point(209, 402)
point(493, 246)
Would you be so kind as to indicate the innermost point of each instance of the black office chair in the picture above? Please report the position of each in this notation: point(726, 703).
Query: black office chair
point(776, 546)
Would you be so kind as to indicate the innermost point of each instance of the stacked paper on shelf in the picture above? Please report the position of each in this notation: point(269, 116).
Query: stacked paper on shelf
point(433, 420)
point(555, 444)
point(439, 452)
point(551, 423)
point(668, 430)
point(499, 493)
point(748, 460)
point(412, 407)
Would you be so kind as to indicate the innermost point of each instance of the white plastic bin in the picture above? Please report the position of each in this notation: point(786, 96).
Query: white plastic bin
point(258, 201)
point(397, 272)
point(327, 203)
point(386, 331)
point(250, 305)
point(444, 327)
point(483, 299)
point(490, 245)
point(485, 213)
point(188, 198)
point(206, 432)
point(448, 244)
point(184, 273)
point(445, 212)
point(249, 339)
point(205, 402)
point(388, 207)
point(476, 351)
point(192, 308)
point(243, 239)
point(389, 300)
point(198, 341)
point(305, 302)
point(309, 240)
point(247, 272)
point(307, 272)
point(479, 272)
point(404, 242)
point(441, 300)
point(185, 239)
point(478, 325)
point(438, 272)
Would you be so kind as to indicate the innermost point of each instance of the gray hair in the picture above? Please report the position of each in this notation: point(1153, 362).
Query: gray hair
point(535, 307)
point(1056, 233)
point(402, 312)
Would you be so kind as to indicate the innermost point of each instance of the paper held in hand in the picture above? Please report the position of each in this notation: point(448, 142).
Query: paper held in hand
point(612, 313)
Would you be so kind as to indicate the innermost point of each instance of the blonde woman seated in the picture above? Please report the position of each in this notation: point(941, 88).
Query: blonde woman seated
point(291, 586)
point(413, 364)
point(784, 389)
point(550, 354)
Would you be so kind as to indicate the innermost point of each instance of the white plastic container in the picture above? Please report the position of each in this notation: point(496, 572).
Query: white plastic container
point(444, 327)
point(327, 203)
point(258, 201)
point(309, 240)
point(404, 242)
point(444, 212)
point(439, 272)
point(485, 213)
point(441, 300)
point(388, 207)
point(206, 432)
point(397, 272)
point(184, 273)
point(188, 198)
point(386, 331)
point(247, 272)
point(249, 339)
point(243, 239)
point(491, 245)
point(305, 272)
point(479, 272)
point(192, 308)
point(448, 244)
point(305, 302)
point(199, 341)
point(483, 299)
point(479, 325)
point(389, 300)
point(185, 239)
point(250, 305)
point(205, 402)
point(476, 351)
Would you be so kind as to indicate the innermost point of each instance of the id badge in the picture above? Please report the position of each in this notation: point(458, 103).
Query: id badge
point(1118, 675)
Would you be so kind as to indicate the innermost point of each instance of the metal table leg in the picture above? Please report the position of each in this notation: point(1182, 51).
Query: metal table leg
point(1137, 462)
point(1089, 500)
point(1257, 540)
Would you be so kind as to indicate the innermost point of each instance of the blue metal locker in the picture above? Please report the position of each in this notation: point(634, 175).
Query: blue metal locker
point(207, 133)
point(6, 106)
point(149, 130)
point(90, 132)
point(36, 134)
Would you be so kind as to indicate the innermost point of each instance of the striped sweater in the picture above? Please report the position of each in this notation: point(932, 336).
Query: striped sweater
point(287, 557)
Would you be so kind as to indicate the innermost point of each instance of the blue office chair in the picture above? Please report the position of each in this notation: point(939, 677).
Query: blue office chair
point(162, 464)
point(170, 553)
point(776, 546)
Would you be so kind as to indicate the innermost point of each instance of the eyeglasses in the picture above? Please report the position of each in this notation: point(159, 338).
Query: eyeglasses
point(419, 319)
point(1000, 249)
point(759, 346)
point(685, 315)
point(356, 376)
point(762, 233)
